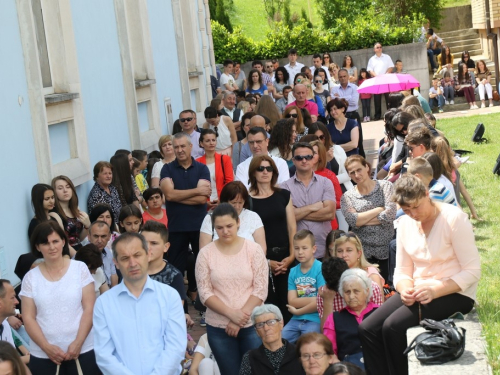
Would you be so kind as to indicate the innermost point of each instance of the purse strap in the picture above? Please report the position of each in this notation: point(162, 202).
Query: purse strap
point(78, 368)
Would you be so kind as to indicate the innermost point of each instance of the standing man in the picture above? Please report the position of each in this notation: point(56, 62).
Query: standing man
point(312, 195)
point(99, 235)
point(187, 120)
point(293, 67)
point(230, 110)
point(349, 91)
point(226, 80)
point(270, 70)
point(317, 61)
point(300, 94)
point(186, 186)
point(139, 326)
point(380, 63)
point(259, 142)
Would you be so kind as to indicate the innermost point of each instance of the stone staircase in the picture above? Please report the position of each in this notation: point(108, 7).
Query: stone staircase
point(465, 40)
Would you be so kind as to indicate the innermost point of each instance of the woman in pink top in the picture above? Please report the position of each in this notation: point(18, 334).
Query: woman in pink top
point(154, 199)
point(437, 272)
point(232, 276)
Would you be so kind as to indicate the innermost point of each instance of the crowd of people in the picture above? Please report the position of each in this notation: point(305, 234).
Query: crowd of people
point(268, 221)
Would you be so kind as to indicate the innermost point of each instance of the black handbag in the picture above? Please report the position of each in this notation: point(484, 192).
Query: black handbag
point(442, 342)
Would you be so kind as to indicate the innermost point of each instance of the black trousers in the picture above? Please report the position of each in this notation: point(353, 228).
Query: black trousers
point(44, 366)
point(377, 100)
point(179, 253)
point(355, 116)
point(383, 333)
point(279, 295)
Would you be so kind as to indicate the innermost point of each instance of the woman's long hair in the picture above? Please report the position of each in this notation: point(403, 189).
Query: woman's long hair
point(446, 58)
point(122, 178)
point(281, 135)
point(461, 76)
point(266, 107)
point(73, 202)
point(37, 197)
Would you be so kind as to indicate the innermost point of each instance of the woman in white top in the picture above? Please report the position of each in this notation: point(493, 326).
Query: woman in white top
point(224, 128)
point(167, 151)
point(203, 361)
point(58, 298)
point(251, 227)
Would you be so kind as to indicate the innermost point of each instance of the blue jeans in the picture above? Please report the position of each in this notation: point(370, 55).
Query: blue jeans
point(229, 351)
point(437, 101)
point(297, 327)
point(431, 53)
point(449, 93)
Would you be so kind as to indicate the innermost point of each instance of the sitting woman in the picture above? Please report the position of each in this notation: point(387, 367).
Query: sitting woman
point(219, 165)
point(341, 327)
point(43, 203)
point(232, 276)
point(445, 61)
point(154, 199)
point(315, 351)
point(283, 136)
point(295, 113)
point(343, 131)
point(437, 273)
point(275, 355)
point(255, 85)
point(251, 227)
point(483, 78)
point(464, 83)
point(203, 359)
point(167, 152)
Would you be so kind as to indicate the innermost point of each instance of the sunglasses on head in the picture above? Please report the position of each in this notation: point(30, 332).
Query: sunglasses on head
point(267, 168)
point(187, 119)
point(294, 115)
point(348, 235)
point(302, 157)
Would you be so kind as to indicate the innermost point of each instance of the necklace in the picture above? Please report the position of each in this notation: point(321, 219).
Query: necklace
point(343, 125)
point(58, 272)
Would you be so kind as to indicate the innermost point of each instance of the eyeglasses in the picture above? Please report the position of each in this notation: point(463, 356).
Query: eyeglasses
point(307, 357)
point(302, 157)
point(326, 57)
point(216, 130)
point(318, 81)
point(321, 137)
point(269, 66)
point(186, 119)
point(294, 115)
point(267, 168)
point(299, 80)
point(269, 323)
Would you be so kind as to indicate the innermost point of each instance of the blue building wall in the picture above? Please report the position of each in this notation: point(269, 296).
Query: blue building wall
point(18, 169)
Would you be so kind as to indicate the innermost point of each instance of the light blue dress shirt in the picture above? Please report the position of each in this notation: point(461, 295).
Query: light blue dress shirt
point(140, 336)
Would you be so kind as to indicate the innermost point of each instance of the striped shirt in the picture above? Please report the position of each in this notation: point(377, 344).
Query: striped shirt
point(438, 192)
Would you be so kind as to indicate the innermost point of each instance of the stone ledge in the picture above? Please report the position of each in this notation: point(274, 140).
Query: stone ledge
point(473, 361)
point(195, 74)
point(144, 83)
point(62, 97)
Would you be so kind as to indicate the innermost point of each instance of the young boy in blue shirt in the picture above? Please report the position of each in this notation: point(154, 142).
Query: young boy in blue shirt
point(304, 281)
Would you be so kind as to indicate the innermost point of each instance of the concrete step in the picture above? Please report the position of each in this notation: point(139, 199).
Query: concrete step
point(472, 48)
point(462, 41)
point(458, 33)
point(462, 105)
point(452, 39)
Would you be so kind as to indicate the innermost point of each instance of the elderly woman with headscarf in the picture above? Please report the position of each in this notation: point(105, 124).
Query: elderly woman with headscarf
point(341, 327)
point(275, 355)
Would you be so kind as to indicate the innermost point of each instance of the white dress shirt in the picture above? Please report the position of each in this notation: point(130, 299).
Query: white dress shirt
point(292, 70)
point(379, 65)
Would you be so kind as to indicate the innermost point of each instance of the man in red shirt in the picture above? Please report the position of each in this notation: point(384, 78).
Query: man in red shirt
point(300, 93)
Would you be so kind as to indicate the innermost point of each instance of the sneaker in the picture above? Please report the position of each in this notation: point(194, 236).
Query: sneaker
point(482, 105)
point(368, 119)
point(441, 110)
point(491, 105)
point(202, 320)
point(475, 106)
point(452, 102)
point(446, 102)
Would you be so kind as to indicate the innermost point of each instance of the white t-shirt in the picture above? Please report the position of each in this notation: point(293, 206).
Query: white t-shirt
point(249, 223)
point(58, 306)
point(213, 185)
point(449, 185)
point(379, 65)
point(157, 169)
point(226, 79)
point(7, 333)
point(99, 280)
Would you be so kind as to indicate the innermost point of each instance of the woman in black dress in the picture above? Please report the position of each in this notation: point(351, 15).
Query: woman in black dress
point(274, 206)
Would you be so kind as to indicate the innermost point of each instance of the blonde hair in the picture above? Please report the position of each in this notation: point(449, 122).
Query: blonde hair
point(243, 106)
point(441, 147)
point(309, 89)
point(352, 238)
point(163, 139)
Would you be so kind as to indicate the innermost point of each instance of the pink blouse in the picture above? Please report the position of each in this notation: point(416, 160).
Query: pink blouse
point(232, 278)
point(449, 252)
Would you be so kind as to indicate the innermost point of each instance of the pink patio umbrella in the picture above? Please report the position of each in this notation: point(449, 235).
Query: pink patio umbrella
point(388, 83)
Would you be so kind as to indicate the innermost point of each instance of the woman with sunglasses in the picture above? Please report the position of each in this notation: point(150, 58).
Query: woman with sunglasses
point(282, 138)
point(296, 114)
point(370, 212)
point(319, 87)
point(344, 131)
point(224, 130)
point(275, 208)
point(327, 59)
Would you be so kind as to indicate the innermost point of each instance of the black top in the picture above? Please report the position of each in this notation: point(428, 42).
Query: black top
point(272, 211)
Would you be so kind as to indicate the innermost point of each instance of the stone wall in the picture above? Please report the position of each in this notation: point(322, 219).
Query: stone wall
point(457, 18)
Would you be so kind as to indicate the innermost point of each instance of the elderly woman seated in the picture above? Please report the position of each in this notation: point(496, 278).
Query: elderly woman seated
point(275, 355)
point(316, 353)
point(341, 327)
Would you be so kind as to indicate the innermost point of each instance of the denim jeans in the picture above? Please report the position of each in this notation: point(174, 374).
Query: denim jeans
point(437, 101)
point(229, 351)
point(449, 92)
point(431, 53)
point(297, 327)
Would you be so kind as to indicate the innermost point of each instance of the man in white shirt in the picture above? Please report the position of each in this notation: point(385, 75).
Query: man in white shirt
point(8, 303)
point(433, 45)
point(259, 142)
point(293, 67)
point(317, 64)
point(378, 64)
point(230, 110)
point(226, 80)
point(99, 235)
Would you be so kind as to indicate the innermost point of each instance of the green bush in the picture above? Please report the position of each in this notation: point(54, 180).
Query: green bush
point(346, 35)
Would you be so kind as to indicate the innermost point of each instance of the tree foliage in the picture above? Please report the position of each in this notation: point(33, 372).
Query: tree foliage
point(219, 12)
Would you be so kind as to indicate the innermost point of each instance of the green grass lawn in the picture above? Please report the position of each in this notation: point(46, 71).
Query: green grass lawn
point(252, 16)
point(455, 3)
point(484, 187)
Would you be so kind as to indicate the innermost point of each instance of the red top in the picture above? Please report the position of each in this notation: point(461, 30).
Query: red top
point(325, 172)
point(146, 216)
point(310, 106)
point(223, 170)
point(363, 96)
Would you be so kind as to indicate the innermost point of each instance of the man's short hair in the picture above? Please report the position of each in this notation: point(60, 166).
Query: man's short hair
point(228, 62)
point(139, 154)
point(430, 31)
point(257, 62)
point(421, 166)
point(182, 135)
point(303, 234)
point(99, 224)
point(227, 93)
point(292, 51)
point(377, 43)
point(420, 136)
point(190, 111)
point(256, 130)
point(156, 227)
point(398, 61)
point(316, 56)
point(297, 85)
point(343, 69)
point(3, 292)
point(287, 88)
point(301, 145)
point(128, 237)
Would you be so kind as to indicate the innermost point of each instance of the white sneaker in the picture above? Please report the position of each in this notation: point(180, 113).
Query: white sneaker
point(446, 102)
point(491, 105)
point(475, 106)
point(482, 105)
point(452, 102)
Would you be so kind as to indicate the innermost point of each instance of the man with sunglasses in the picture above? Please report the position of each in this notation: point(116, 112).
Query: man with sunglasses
point(259, 142)
point(187, 120)
point(312, 195)
point(380, 63)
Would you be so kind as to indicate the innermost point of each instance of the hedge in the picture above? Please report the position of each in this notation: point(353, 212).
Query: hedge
point(362, 33)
